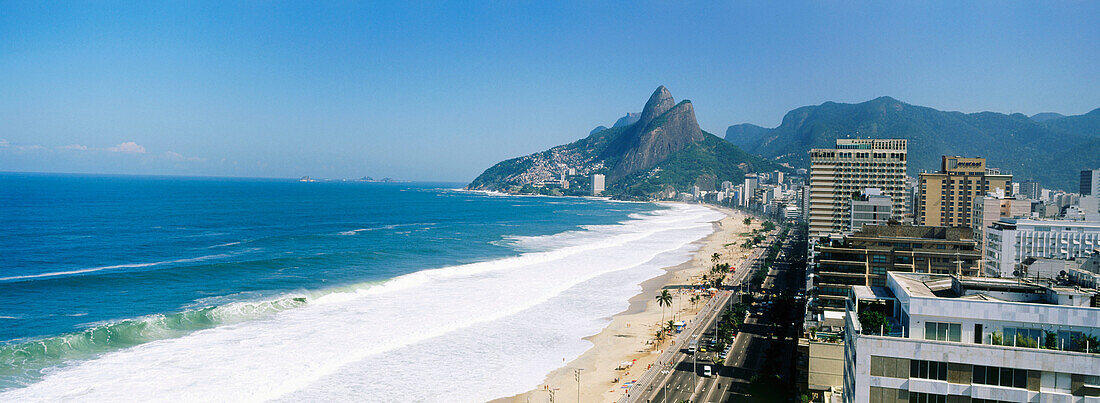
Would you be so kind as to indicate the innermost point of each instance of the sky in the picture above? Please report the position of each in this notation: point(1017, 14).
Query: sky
point(442, 90)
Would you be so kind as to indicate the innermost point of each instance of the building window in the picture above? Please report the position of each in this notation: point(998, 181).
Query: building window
point(998, 376)
point(878, 259)
point(1022, 337)
point(928, 370)
point(942, 331)
point(888, 395)
point(921, 397)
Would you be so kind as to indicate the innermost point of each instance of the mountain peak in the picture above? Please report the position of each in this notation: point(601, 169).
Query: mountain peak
point(660, 102)
point(665, 127)
point(884, 99)
point(665, 135)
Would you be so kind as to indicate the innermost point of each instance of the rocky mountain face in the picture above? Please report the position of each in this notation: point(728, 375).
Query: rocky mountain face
point(1050, 150)
point(664, 147)
point(664, 127)
point(627, 120)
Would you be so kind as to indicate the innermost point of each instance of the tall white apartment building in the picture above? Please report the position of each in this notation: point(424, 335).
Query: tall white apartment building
point(1009, 241)
point(598, 184)
point(751, 183)
point(855, 164)
point(971, 339)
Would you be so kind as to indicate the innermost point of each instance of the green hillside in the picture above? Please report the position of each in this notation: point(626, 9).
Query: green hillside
point(1050, 151)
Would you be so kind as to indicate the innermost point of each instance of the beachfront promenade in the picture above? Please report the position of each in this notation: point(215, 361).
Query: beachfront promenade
point(664, 370)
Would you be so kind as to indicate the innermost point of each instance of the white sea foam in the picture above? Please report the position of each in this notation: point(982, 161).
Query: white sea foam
point(464, 333)
point(118, 266)
point(424, 225)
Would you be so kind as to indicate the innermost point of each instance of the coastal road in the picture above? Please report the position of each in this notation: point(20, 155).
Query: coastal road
point(677, 376)
point(747, 352)
point(759, 334)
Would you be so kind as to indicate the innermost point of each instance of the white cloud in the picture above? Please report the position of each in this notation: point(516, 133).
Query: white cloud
point(128, 147)
point(76, 147)
point(174, 156)
point(19, 147)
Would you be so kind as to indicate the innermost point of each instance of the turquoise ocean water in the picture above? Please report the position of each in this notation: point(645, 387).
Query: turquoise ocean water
point(247, 289)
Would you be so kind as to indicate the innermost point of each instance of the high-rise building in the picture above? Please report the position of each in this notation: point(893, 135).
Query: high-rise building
point(1031, 190)
point(939, 338)
point(597, 184)
point(751, 183)
point(855, 164)
point(864, 257)
point(870, 208)
point(947, 197)
point(1090, 183)
point(1010, 241)
point(995, 206)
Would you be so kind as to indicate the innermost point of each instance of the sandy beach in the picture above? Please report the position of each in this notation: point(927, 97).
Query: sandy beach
point(629, 338)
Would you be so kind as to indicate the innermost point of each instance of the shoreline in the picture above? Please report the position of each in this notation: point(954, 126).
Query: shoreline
point(629, 336)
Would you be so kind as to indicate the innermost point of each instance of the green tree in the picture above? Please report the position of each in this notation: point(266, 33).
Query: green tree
point(664, 300)
point(873, 321)
point(747, 220)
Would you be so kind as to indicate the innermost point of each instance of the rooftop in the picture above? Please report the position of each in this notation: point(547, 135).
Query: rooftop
point(1013, 223)
point(991, 289)
point(917, 232)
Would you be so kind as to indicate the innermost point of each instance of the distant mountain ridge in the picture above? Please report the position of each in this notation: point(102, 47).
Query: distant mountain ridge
point(662, 149)
point(1045, 116)
point(1046, 148)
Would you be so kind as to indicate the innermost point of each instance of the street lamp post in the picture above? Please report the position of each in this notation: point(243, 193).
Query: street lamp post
point(577, 374)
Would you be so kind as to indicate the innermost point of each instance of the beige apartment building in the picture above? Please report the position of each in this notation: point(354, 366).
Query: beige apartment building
point(947, 197)
point(995, 206)
point(855, 164)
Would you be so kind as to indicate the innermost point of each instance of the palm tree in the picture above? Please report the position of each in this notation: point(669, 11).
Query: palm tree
point(714, 258)
point(664, 300)
point(670, 326)
point(748, 220)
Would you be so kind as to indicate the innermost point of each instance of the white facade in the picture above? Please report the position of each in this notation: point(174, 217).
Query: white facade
point(597, 184)
point(1090, 183)
point(972, 358)
point(995, 206)
point(751, 183)
point(873, 208)
point(1009, 241)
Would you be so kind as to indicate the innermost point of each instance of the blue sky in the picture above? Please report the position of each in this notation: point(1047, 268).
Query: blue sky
point(442, 90)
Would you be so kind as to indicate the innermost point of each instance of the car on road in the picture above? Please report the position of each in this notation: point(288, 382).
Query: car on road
point(706, 370)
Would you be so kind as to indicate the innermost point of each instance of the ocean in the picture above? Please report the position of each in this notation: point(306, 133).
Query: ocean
point(211, 289)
